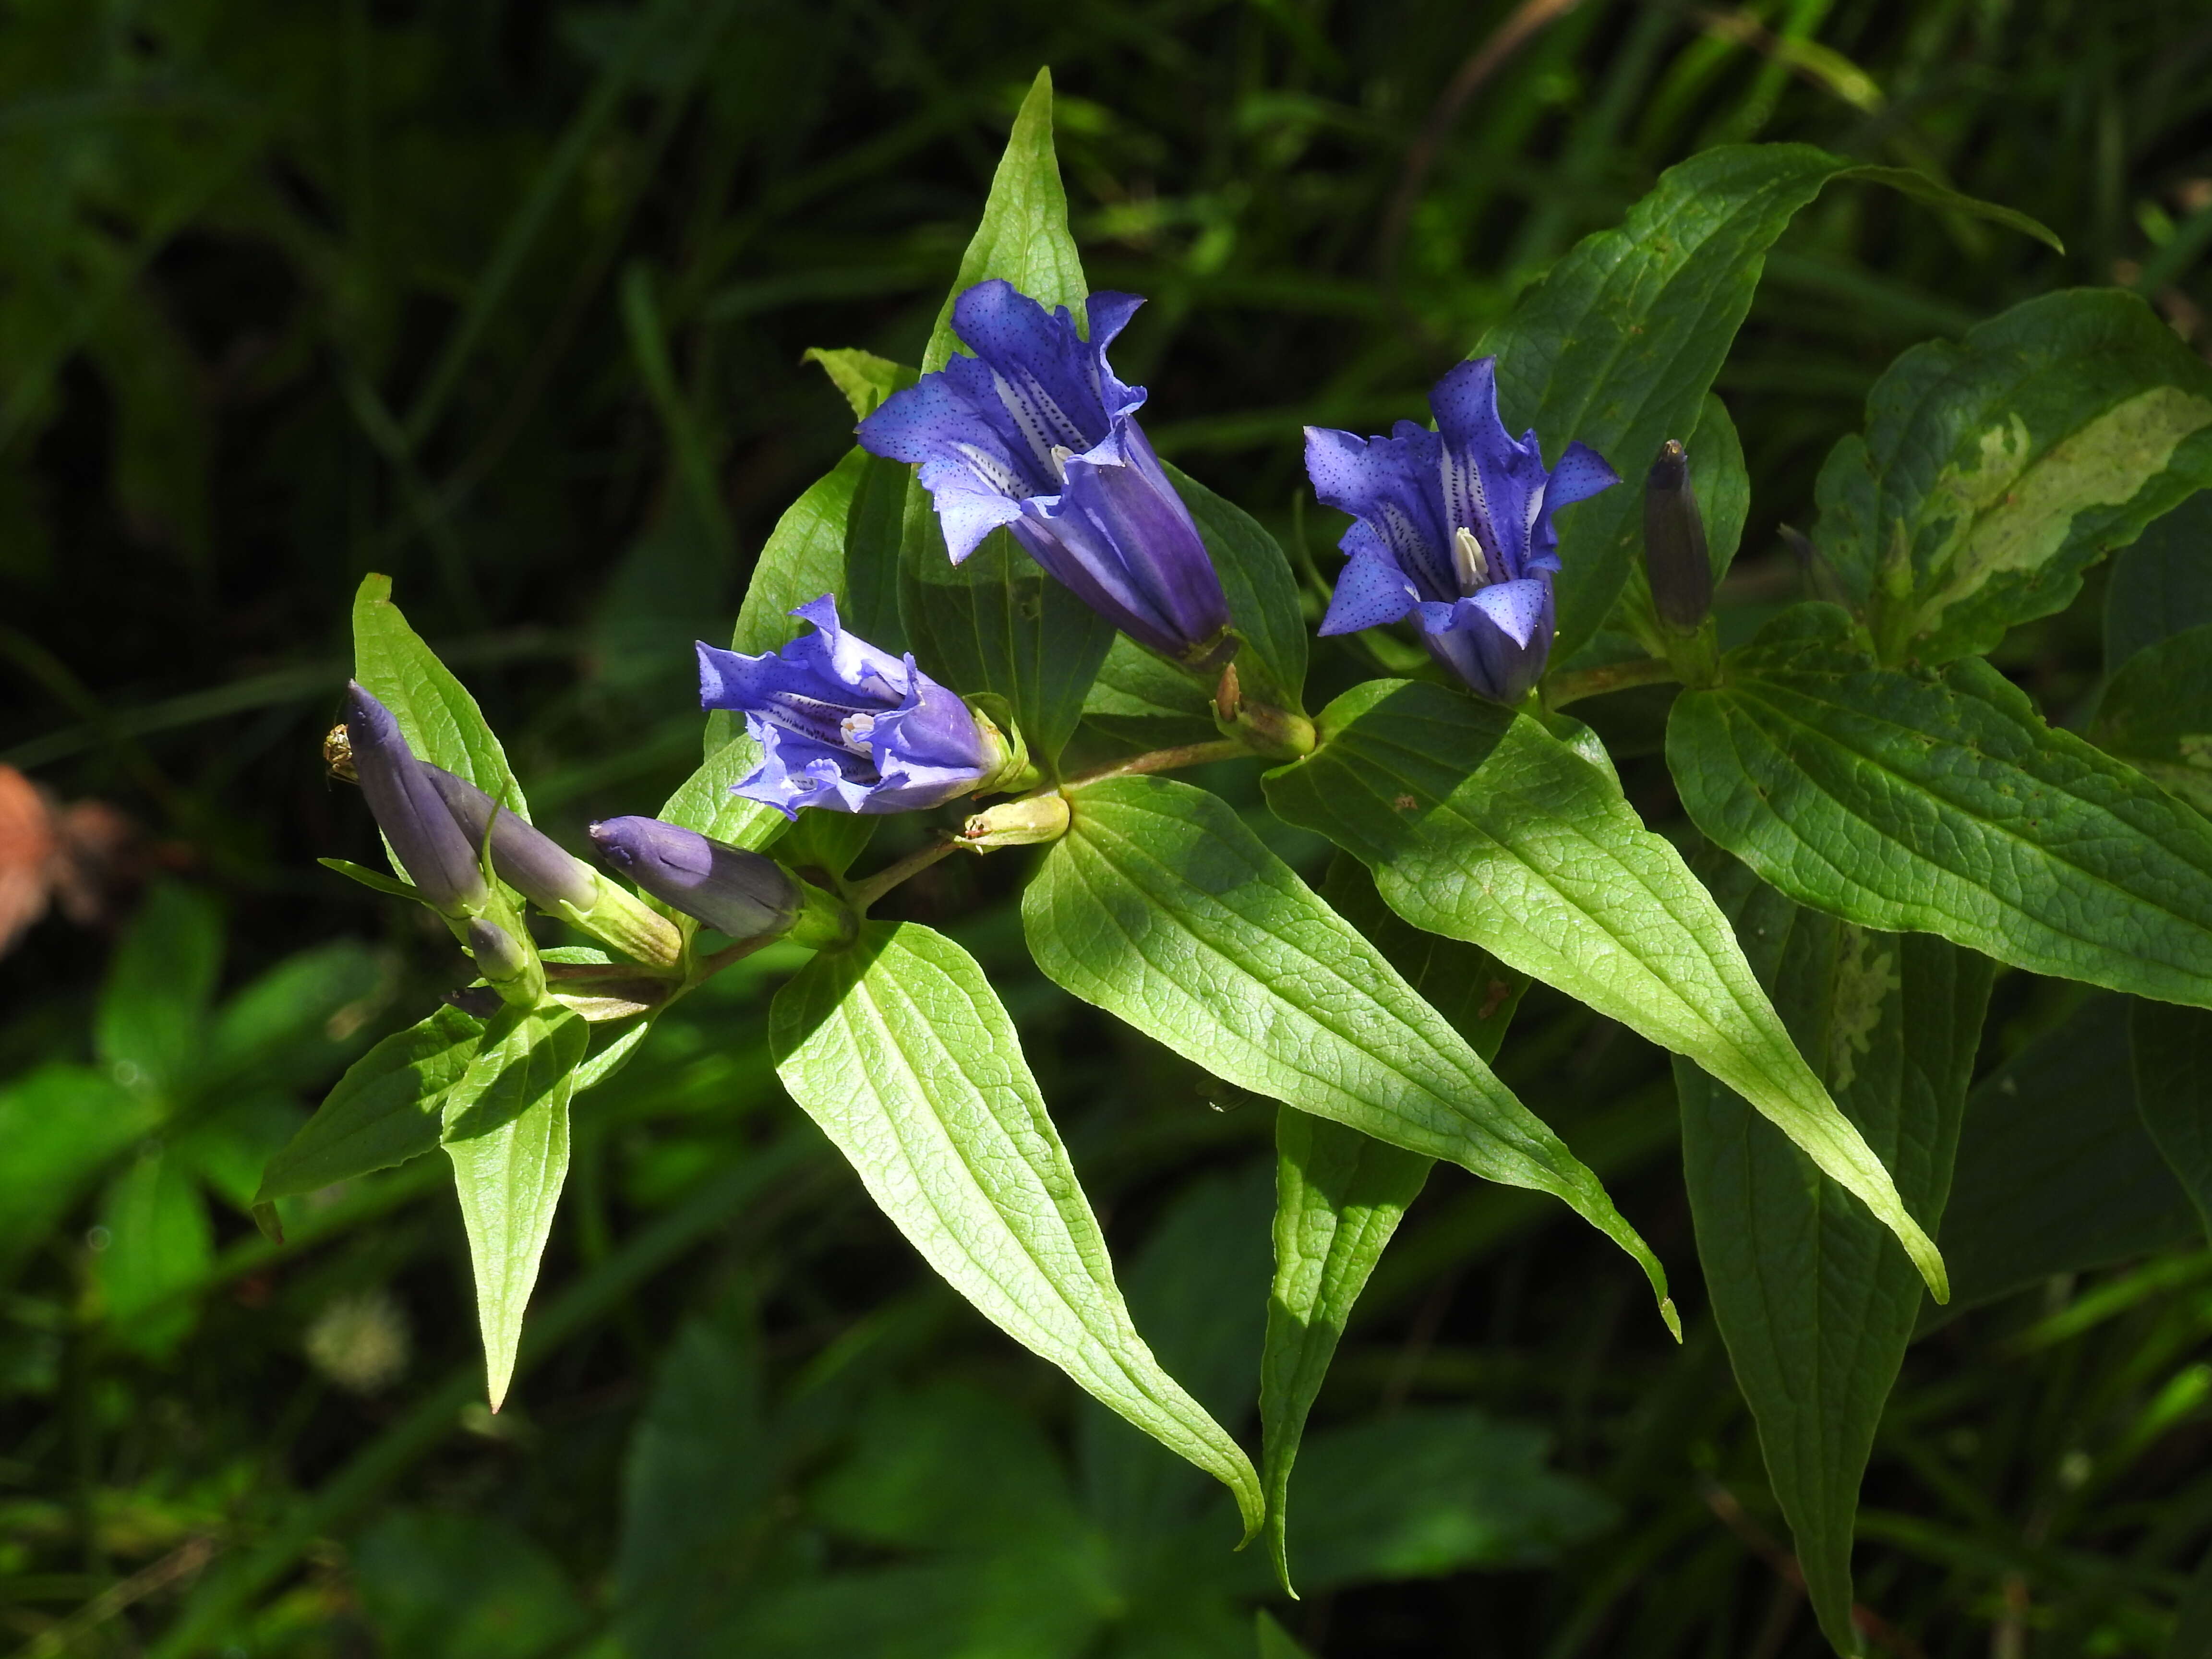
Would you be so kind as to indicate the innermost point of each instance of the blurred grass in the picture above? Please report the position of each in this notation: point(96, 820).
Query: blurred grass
point(509, 302)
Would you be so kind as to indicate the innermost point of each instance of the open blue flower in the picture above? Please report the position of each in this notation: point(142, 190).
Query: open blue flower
point(1455, 525)
point(1033, 432)
point(845, 727)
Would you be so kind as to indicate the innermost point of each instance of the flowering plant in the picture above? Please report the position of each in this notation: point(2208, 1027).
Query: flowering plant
point(1886, 818)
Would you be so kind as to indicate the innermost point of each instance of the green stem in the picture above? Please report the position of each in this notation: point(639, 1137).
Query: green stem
point(1613, 676)
point(861, 895)
point(1163, 760)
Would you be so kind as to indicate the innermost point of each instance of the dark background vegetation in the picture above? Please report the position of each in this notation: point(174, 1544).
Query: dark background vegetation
point(508, 301)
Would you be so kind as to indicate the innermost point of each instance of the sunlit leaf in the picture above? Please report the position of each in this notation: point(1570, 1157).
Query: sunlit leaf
point(900, 1050)
point(1481, 825)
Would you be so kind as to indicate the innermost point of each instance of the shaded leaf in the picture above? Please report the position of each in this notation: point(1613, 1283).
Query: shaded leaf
point(2171, 1050)
point(445, 1586)
point(1938, 801)
point(61, 1124)
point(695, 1489)
point(1995, 470)
point(387, 1108)
point(1261, 590)
point(150, 1026)
point(159, 1244)
point(2055, 1173)
point(2156, 714)
point(1815, 1301)
point(2161, 583)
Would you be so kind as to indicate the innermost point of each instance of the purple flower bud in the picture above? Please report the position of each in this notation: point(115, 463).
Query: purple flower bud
point(845, 727)
point(526, 859)
point(1454, 527)
point(438, 857)
point(1676, 560)
point(1033, 432)
point(498, 956)
point(742, 894)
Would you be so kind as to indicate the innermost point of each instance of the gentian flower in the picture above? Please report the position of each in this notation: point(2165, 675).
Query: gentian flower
point(845, 727)
point(1455, 525)
point(1033, 432)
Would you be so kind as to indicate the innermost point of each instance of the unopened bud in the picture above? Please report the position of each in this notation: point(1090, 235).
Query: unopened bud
point(499, 958)
point(740, 893)
point(438, 857)
point(1675, 557)
point(1024, 823)
point(1229, 695)
point(555, 879)
point(526, 859)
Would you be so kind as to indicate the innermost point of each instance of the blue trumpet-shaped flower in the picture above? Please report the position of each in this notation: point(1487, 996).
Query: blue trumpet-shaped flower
point(845, 727)
point(1033, 432)
point(1454, 526)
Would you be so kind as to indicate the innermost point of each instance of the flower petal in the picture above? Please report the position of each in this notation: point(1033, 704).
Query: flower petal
point(1122, 537)
point(1370, 591)
point(1582, 473)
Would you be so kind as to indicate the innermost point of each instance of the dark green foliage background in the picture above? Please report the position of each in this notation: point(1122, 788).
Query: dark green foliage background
point(509, 301)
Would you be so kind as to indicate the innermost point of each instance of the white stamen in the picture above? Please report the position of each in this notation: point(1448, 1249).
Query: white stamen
point(854, 729)
point(1467, 561)
point(1061, 455)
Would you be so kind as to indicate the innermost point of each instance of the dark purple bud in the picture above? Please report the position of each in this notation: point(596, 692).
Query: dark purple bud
point(733, 891)
point(1674, 556)
point(498, 956)
point(437, 855)
point(526, 859)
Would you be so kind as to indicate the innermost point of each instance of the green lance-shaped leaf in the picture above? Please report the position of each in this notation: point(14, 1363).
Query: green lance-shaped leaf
point(2172, 1052)
point(439, 718)
point(1261, 590)
point(2056, 1173)
point(1815, 1301)
point(2161, 583)
point(385, 1109)
point(901, 1051)
point(1340, 1194)
point(864, 379)
point(1161, 907)
point(2156, 714)
point(1620, 344)
point(1141, 697)
point(1937, 801)
point(1481, 825)
point(507, 1132)
point(996, 622)
point(1995, 470)
point(1023, 236)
